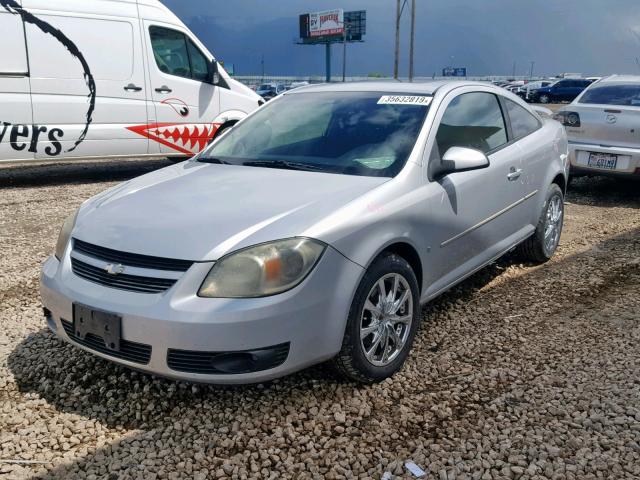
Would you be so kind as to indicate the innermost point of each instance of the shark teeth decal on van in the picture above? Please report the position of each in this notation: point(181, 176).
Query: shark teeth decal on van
point(187, 138)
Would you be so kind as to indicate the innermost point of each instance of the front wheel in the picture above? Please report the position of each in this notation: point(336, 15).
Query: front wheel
point(545, 98)
point(541, 246)
point(382, 322)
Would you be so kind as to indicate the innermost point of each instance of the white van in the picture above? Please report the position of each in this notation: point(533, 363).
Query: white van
point(104, 78)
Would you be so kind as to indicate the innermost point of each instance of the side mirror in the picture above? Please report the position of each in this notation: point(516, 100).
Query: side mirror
point(214, 76)
point(461, 159)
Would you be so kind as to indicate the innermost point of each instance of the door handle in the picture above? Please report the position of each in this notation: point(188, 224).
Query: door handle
point(163, 89)
point(132, 88)
point(514, 174)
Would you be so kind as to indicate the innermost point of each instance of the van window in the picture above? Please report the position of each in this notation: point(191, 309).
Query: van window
point(199, 63)
point(472, 120)
point(522, 122)
point(49, 58)
point(175, 54)
point(13, 59)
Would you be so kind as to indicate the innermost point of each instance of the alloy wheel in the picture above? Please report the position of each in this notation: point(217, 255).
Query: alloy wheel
point(553, 224)
point(385, 322)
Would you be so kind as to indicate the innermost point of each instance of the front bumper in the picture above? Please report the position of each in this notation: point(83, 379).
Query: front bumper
point(628, 160)
point(310, 318)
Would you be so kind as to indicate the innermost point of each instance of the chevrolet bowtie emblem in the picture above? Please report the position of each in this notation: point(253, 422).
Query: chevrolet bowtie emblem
point(116, 269)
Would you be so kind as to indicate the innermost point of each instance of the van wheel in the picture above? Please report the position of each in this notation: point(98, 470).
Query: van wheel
point(544, 98)
point(541, 246)
point(382, 322)
point(220, 131)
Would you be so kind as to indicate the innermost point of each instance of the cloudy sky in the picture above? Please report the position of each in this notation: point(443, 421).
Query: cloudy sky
point(593, 37)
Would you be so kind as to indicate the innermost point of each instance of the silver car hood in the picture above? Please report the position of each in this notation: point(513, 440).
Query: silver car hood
point(196, 211)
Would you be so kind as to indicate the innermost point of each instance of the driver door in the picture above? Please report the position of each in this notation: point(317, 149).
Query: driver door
point(475, 214)
point(186, 103)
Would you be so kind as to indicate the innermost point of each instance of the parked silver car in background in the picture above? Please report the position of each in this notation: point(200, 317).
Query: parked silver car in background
point(313, 230)
point(603, 126)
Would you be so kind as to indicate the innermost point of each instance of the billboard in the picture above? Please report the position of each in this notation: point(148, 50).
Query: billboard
point(327, 23)
point(332, 26)
point(454, 72)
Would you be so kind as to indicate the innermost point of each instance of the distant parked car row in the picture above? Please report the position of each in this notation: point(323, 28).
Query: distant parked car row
point(271, 90)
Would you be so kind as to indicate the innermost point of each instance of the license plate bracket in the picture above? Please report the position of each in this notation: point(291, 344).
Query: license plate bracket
point(105, 325)
point(604, 161)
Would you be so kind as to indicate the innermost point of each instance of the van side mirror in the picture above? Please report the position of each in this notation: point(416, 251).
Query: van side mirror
point(461, 159)
point(214, 76)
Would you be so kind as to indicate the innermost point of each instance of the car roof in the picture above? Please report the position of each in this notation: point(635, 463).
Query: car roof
point(391, 86)
point(620, 79)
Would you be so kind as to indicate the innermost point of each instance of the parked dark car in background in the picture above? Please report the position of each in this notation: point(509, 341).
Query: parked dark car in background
point(565, 90)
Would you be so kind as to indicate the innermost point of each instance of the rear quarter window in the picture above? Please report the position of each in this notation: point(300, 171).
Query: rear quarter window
point(522, 122)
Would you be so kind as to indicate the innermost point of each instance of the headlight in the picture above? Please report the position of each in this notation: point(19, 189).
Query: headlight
point(262, 270)
point(65, 233)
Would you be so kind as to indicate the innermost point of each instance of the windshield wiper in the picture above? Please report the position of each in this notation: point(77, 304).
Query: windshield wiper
point(284, 164)
point(212, 160)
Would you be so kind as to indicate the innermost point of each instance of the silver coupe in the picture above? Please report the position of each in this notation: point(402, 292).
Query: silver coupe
point(312, 230)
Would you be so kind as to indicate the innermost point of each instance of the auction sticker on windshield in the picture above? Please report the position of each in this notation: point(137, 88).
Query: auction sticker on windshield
point(419, 100)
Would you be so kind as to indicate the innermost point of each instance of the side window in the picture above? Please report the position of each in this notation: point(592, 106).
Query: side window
point(13, 60)
point(176, 55)
point(170, 51)
point(199, 63)
point(50, 60)
point(522, 122)
point(472, 120)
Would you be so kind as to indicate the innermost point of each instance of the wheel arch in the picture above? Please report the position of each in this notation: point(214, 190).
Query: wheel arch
point(561, 181)
point(407, 251)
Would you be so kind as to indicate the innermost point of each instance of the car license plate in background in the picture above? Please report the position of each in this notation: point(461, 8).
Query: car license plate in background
point(605, 161)
point(87, 321)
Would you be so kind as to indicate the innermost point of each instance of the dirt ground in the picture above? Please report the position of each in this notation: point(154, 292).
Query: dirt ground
point(521, 372)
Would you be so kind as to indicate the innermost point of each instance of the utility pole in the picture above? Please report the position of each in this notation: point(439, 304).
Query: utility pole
point(514, 70)
point(397, 53)
point(328, 62)
point(344, 52)
point(262, 64)
point(413, 30)
point(531, 71)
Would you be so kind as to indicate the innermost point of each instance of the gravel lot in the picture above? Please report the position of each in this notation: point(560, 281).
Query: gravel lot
point(521, 372)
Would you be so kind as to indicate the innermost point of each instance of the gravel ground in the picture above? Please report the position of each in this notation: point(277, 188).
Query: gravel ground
point(521, 372)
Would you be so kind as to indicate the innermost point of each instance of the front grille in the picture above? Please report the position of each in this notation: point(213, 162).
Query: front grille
point(246, 361)
point(130, 351)
point(131, 259)
point(132, 283)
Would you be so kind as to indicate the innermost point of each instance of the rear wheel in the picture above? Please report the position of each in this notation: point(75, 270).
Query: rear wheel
point(382, 322)
point(541, 246)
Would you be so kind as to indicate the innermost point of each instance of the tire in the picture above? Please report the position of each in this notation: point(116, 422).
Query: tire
point(536, 248)
point(220, 131)
point(353, 362)
point(544, 98)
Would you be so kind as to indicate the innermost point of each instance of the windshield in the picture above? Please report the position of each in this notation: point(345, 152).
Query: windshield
point(353, 133)
point(607, 94)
